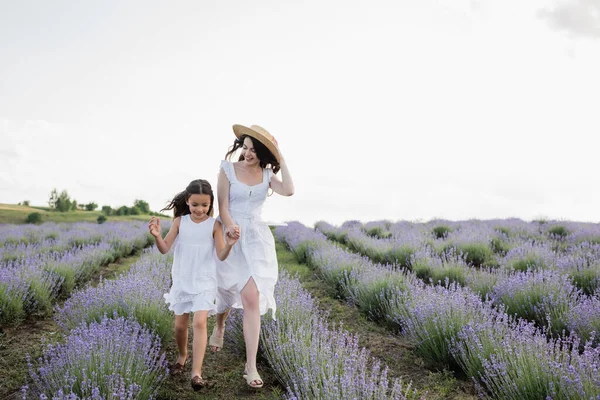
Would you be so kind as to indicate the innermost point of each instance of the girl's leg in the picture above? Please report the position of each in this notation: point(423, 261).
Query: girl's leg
point(181, 336)
point(220, 326)
point(251, 325)
point(199, 342)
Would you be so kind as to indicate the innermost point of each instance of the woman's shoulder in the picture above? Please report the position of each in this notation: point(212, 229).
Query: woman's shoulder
point(227, 167)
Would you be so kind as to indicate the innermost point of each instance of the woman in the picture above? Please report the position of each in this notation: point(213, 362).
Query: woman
point(247, 278)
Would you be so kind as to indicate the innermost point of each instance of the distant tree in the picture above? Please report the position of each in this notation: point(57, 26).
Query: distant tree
point(63, 203)
point(34, 218)
point(53, 198)
point(142, 205)
point(134, 211)
point(101, 219)
point(26, 203)
point(123, 210)
point(81, 207)
point(74, 205)
point(107, 210)
point(91, 206)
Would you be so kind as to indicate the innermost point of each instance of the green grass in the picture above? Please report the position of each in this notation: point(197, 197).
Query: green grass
point(15, 214)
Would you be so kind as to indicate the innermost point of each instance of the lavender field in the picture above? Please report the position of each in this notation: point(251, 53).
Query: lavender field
point(512, 305)
point(113, 335)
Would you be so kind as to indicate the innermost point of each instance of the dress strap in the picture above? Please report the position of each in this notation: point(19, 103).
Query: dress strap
point(227, 167)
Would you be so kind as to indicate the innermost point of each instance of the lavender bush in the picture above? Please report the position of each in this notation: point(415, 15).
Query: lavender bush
point(110, 359)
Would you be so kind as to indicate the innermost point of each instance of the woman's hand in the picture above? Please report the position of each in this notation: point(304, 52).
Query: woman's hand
point(278, 149)
point(230, 240)
point(233, 231)
point(154, 227)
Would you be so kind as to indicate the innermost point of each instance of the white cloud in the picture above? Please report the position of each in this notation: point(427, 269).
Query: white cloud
point(578, 17)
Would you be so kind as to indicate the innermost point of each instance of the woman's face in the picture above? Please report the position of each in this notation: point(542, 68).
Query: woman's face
point(249, 153)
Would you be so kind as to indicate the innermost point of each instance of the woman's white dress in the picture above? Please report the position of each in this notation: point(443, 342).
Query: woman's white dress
point(253, 256)
point(194, 272)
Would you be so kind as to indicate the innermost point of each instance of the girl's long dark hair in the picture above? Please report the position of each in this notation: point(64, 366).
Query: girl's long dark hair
point(178, 204)
point(264, 155)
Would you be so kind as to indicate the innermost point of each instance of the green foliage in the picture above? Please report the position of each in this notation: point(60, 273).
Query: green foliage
point(53, 198)
point(142, 205)
point(559, 231)
point(107, 210)
point(441, 231)
point(91, 206)
point(528, 262)
point(26, 203)
point(12, 307)
point(499, 246)
point(477, 254)
point(34, 218)
point(63, 203)
point(378, 232)
point(101, 219)
point(588, 280)
point(134, 211)
point(123, 210)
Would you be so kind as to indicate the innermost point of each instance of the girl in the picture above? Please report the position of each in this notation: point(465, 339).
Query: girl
point(248, 278)
point(194, 281)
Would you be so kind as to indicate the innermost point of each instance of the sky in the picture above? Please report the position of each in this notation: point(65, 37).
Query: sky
point(397, 110)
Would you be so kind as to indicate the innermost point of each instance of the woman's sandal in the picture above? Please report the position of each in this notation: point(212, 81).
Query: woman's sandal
point(178, 368)
point(254, 376)
point(198, 383)
point(215, 341)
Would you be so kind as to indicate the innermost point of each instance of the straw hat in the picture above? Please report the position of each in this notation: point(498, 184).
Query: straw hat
point(260, 134)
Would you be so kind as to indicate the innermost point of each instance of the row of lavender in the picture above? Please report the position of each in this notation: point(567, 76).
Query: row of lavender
point(313, 359)
point(508, 358)
point(40, 263)
point(547, 273)
point(113, 335)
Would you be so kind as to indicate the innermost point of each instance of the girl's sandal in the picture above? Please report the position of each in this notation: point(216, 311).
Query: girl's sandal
point(177, 368)
point(198, 383)
point(215, 341)
point(254, 377)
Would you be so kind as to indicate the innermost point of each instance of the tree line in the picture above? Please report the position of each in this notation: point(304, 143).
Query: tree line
point(62, 202)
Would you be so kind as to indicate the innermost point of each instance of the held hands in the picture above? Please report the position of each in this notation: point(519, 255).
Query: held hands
point(232, 232)
point(230, 239)
point(154, 227)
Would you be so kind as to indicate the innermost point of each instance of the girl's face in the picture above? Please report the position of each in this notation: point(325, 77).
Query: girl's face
point(199, 205)
point(249, 153)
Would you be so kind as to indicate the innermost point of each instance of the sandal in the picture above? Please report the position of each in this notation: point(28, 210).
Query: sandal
point(215, 341)
point(254, 376)
point(178, 368)
point(198, 383)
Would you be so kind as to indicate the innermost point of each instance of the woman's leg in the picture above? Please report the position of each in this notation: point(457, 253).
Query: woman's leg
point(220, 327)
point(250, 296)
point(181, 336)
point(199, 341)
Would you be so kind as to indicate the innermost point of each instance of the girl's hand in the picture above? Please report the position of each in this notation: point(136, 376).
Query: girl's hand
point(233, 231)
point(154, 227)
point(230, 239)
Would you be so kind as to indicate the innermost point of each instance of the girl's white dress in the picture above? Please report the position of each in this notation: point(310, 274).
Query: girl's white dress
point(194, 273)
point(253, 256)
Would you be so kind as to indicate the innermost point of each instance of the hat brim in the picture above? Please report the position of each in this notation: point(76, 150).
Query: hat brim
point(240, 130)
